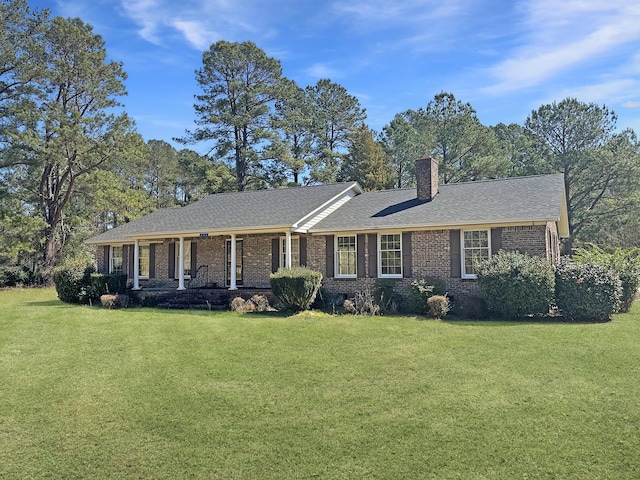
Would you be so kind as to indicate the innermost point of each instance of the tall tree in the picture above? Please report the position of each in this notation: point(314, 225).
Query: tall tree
point(336, 116)
point(403, 144)
point(577, 139)
point(161, 173)
point(199, 176)
point(292, 150)
point(21, 48)
point(465, 148)
point(71, 128)
point(240, 84)
point(367, 163)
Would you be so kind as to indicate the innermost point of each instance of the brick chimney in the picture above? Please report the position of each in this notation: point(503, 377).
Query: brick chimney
point(427, 178)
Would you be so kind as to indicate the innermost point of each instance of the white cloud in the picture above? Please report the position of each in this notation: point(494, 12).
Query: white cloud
point(631, 104)
point(320, 71)
point(198, 22)
point(559, 35)
point(196, 33)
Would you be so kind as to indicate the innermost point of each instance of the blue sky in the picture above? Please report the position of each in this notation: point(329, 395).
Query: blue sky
point(506, 58)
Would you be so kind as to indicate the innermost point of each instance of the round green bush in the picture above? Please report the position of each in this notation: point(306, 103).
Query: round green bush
point(625, 262)
point(514, 285)
point(296, 288)
point(587, 292)
point(72, 281)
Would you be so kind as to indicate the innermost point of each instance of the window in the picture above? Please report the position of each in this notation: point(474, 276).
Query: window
point(346, 256)
point(390, 257)
point(475, 248)
point(187, 259)
point(295, 251)
point(143, 260)
point(115, 264)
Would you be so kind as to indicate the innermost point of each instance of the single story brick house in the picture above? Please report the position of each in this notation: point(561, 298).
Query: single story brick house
point(236, 240)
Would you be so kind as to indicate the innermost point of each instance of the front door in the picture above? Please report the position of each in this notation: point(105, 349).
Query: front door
point(238, 262)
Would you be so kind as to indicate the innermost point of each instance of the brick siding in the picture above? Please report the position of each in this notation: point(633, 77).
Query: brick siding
point(430, 258)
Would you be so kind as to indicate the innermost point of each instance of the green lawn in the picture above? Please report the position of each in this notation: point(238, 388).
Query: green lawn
point(142, 393)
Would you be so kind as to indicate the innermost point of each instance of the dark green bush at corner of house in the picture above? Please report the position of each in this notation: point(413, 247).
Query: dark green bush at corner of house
point(424, 288)
point(587, 291)
point(513, 284)
point(296, 288)
point(625, 262)
point(73, 282)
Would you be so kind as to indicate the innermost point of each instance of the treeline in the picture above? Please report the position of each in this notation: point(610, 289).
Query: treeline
point(72, 163)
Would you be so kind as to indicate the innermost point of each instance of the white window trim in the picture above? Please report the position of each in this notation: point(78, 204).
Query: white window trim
point(187, 265)
point(144, 277)
point(337, 256)
point(281, 261)
point(463, 273)
point(389, 275)
point(111, 247)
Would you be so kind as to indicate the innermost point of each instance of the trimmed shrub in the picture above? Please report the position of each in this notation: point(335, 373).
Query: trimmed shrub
point(111, 301)
point(421, 290)
point(625, 262)
point(72, 282)
point(513, 284)
point(113, 283)
point(296, 288)
point(587, 292)
point(438, 306)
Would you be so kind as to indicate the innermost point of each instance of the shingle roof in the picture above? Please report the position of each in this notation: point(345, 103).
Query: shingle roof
point(511, 200)
point(237, 211)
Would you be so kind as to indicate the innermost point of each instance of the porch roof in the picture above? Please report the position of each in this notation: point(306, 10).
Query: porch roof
point(236, 212)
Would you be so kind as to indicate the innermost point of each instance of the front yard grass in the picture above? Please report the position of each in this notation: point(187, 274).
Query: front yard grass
point(142, 393)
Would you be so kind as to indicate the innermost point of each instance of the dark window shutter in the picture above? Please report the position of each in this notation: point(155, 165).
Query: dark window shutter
point(303, 251)
point(454, 245)
point(105, 263)
point(496, 240)
point(275, 255)
point(152, 260)
point(361, 267)
point(330, 256)
point(125, 259)
point(194, 258)
point(132, 249)
point(373, 255)
point(406, 254)
point(172, 260)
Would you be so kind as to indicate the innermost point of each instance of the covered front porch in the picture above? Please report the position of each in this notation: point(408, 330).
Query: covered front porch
point(229, 261)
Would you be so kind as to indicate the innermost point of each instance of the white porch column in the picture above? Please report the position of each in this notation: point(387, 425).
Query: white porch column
point(136, 265)
point(232, 281)
point(287, 250)
point(181, 265)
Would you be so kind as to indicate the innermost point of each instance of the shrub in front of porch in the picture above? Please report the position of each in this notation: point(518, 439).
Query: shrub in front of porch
point(296, 288)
